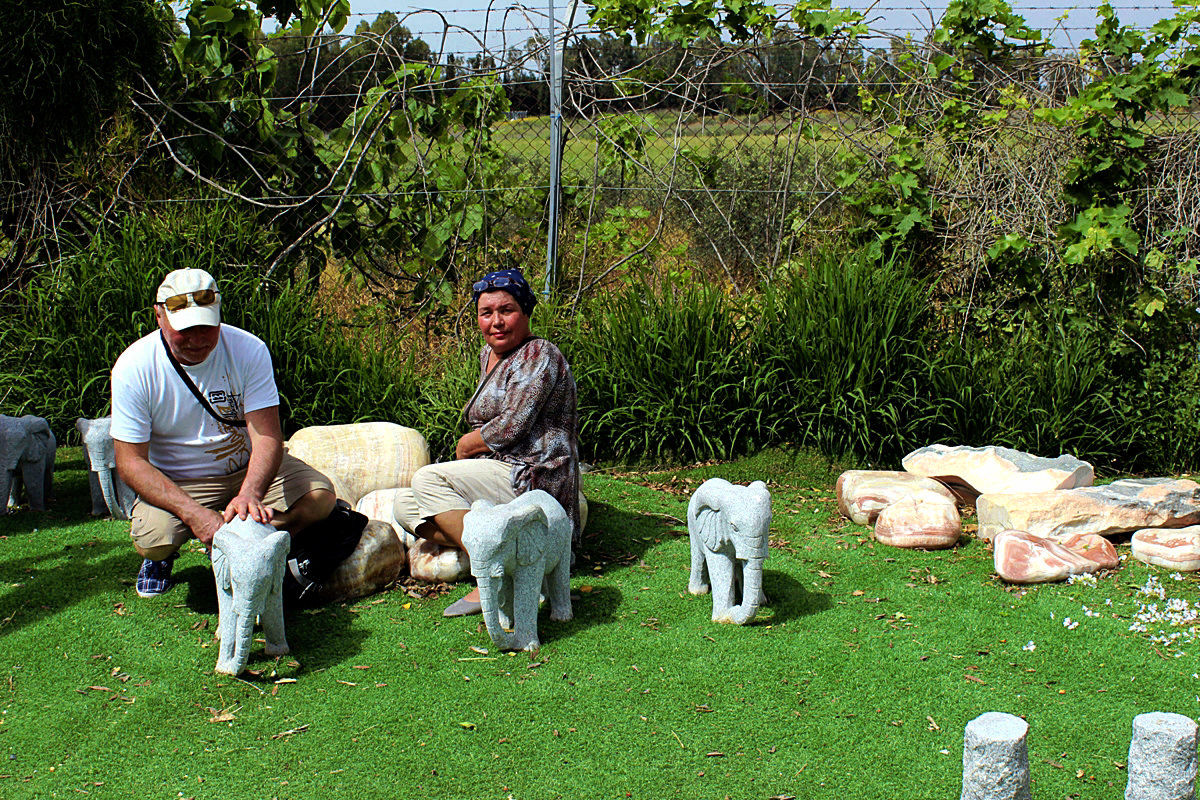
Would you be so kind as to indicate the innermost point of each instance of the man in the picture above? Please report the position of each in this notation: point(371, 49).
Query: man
point(192, 471)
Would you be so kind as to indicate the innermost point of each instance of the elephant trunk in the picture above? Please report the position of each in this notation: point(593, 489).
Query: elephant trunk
point(751, 592)
point(109, 490)
point(242, 637)
point(489, 598)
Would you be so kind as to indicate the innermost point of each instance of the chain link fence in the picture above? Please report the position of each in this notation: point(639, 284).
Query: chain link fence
point(716, 159)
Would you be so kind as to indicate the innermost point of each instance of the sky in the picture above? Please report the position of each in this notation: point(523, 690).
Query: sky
point(470, 26)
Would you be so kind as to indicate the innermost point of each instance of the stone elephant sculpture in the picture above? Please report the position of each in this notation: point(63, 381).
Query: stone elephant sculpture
point(517, 550)
point(729, 528)
point(110, 494)
point(27, 447)
point(249, 559)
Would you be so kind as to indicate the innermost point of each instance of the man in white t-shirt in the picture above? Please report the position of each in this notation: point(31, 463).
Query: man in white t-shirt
point(192, 471)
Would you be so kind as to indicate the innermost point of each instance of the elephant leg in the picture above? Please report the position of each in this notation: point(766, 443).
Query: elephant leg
point(33, 475)
point(526, 585)
point(720, 570)
point(99, 507)
point(6, 487)
point(559, 591)
point(272, 623)
point(698, 580)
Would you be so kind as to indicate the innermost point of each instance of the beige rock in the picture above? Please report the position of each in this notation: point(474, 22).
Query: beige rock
point(377, 561)
point(433, 563)
point(983, 470)
point(1177, 548)
point(1021, 557)
point(381, 505)
point(862, 494)
point(362, 457)
point(1119, 507)
point(1093, 547)
point(923, 519)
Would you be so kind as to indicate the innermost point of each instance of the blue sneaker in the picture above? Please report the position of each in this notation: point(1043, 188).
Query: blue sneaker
point(154, 577)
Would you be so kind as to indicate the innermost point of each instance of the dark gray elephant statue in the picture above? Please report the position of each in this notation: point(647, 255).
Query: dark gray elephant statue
point(27, 448)
point(110, 495)
point(519, 549)
point(729, 528)
point(248, 561)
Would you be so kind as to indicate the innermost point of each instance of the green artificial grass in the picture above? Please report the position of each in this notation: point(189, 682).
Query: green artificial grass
point(856, 681)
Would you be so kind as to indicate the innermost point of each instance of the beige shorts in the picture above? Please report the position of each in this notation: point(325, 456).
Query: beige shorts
point(450, 486)
point(154, 527)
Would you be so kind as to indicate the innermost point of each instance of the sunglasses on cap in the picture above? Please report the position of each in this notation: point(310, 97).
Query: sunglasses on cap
point(499, 282)
point(201, 297)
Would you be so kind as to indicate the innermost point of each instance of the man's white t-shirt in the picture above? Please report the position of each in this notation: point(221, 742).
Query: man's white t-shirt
point(151, 403)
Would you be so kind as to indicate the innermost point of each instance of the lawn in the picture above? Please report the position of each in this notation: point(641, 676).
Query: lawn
point(856, 681)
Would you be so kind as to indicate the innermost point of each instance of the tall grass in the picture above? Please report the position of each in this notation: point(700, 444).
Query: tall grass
point(844, 354)
point(669, 374)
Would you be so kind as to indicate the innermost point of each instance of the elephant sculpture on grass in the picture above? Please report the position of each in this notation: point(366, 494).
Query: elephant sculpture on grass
point(27, 447)
point(519, 549)
point(110, 494)
point(729, 528)
point(249, 559)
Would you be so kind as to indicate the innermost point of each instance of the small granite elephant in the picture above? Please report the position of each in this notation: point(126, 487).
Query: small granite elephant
point(249, 559)
point(728, 525)
point(516, 549)
point(110, 494)
point(27, 448)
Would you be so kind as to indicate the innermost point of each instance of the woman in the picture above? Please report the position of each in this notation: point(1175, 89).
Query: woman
point(523, 427)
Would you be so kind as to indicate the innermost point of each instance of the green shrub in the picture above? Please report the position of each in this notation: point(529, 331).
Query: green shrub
point(843, 341)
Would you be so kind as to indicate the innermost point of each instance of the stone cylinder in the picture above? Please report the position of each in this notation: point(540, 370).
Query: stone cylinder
point(1162, 758)
point(995, 759)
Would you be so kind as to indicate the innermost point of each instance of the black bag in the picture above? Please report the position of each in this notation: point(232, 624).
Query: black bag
point(317, 551)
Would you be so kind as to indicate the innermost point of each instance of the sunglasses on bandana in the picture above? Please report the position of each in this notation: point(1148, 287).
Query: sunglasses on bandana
point(499, 282)
point(201, 297)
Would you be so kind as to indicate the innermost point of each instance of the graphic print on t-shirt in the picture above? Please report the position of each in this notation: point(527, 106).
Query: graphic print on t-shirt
point(234, 451)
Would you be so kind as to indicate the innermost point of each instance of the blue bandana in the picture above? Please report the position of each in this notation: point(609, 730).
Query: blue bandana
point(507, 280)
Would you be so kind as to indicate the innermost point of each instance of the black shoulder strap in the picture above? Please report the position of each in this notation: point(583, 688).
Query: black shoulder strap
point(237, 423)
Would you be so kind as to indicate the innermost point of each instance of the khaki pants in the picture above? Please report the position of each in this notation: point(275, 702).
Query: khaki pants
point(450, 486)
point(154, 527)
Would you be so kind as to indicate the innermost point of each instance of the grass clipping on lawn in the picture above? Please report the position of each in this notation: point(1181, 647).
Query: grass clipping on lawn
point(856, 680)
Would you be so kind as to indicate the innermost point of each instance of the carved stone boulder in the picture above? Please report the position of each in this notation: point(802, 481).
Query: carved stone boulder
point(433, 563)
point(362, 457)
point(924, 519)
point(1173, 548)
point(1120, 507)
point(381, 505)
point(862, 494)
point(1021, 557)
point(981, 470)
point(377, 561)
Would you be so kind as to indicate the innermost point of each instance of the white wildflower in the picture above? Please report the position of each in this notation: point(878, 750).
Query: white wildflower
point(1029, 646)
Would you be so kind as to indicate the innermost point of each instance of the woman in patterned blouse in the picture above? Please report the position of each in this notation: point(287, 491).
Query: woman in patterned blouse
point(523, 427)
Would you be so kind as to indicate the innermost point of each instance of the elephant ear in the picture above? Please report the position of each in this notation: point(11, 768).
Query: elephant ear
point(714, 531)
point(531, 524)
point(704, 513)
point(220, 564)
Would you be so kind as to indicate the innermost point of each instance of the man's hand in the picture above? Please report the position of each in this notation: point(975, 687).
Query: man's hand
point(205, 526)
point(247, 505)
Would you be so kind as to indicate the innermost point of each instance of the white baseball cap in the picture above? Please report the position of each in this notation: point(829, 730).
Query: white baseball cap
point(190, 298)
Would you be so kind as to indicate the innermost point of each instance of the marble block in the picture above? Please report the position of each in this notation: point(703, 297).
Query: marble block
point(998, 469)
point(1120, 507)
point(862, 494)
